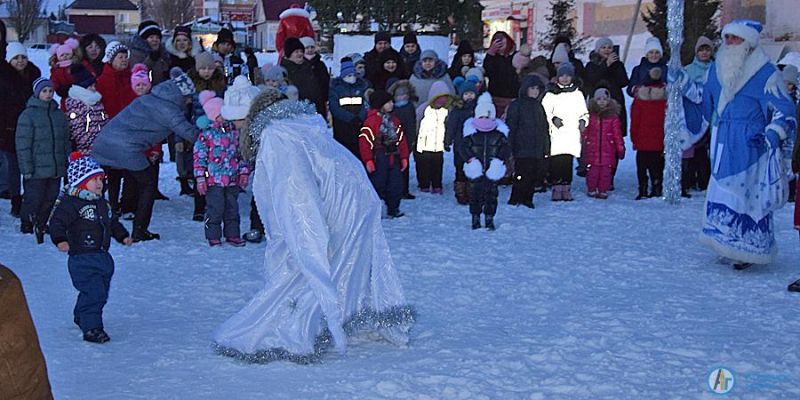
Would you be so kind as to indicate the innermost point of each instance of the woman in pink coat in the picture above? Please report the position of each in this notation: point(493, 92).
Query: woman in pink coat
point(602, 143)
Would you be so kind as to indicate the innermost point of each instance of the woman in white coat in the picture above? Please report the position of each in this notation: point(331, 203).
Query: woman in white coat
point(566, 112)
point(328, 268)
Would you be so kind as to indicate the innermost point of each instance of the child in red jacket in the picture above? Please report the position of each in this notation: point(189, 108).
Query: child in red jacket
point(602, 143)
point(61, 59)
point(384, 151)
point(647, 133)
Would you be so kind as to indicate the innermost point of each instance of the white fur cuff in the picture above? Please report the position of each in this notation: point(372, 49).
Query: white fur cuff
point(778, 129)
point(497, 170)
point(473, 169)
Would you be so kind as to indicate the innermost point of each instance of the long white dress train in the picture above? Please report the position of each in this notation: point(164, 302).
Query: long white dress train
point(328, 268)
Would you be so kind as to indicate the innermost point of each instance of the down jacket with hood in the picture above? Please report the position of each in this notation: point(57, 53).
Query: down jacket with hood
point(602, 139)
point(148, 120)
point(569, 105)
point(648, 112)
point(42, 140)
point(529, 134)
point(430, 135)
point(86, 116)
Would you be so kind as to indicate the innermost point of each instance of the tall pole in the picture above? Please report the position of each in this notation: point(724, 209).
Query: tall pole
point(672, 146)
point(633, 28)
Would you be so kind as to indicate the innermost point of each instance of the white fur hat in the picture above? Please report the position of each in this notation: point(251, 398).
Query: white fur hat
point(238, 98)
point(485, 107)
point(308, 41)
point(746, 29)
point(653, 43)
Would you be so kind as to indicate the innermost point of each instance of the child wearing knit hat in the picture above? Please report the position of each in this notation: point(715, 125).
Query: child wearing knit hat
point(453, 134)
point(219, 169)
point(85, 110)
point(82, 225)
point(42, 144)
point(347, 105)
point(384, 151)
point(62, 57)
point(485, 147)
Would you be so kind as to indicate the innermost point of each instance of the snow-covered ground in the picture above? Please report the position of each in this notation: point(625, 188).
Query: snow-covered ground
point(588, 299)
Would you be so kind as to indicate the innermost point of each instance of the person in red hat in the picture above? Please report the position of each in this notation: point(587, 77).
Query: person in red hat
point(295, 22)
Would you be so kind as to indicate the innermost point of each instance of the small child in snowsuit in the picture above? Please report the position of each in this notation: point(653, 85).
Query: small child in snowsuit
point(403, 98)
point(220, 172)
point(485, 147)
point(602, 143)
point(43, 148)
point(529, 138)
point(647, 133)
point(83, 224)
point(453, 134)
point(384, 151)
point(432, 116)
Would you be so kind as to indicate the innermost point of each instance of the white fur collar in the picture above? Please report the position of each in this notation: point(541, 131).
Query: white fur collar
point(86, 96)
point(470, 130)
point(757, 59)
point(294, 12)
point(195, 50)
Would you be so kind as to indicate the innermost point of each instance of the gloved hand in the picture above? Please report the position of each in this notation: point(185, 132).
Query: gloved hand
point(370, 166)
point(581, 125)
point(201, 185)
point(242, 182)
point(447, 148)
point(155, 55)
point(677, 75)
point(558, 122)
point(403, 164)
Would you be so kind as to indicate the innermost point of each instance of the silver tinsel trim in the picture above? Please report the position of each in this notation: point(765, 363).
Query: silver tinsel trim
point(283, 109)
point(672, 144)
point(367, 319)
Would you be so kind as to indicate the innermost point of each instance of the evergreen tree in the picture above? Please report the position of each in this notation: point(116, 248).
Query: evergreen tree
point(698, 20)
point(562, 24)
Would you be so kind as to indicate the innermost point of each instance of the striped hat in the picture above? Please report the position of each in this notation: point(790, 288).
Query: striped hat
point(82, 167)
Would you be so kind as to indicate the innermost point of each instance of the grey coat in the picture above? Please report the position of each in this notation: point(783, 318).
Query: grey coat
point(42, 141)
point(145, 122)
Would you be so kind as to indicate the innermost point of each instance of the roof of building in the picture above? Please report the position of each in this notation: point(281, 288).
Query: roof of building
point(102, 5)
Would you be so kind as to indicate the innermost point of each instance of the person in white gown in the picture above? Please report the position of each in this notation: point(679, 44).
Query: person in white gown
point(329, 273)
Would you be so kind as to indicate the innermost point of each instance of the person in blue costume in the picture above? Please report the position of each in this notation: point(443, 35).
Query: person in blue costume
point(753, 123)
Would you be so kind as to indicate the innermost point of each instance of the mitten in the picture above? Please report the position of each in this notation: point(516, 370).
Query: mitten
point(581, 125)
point(242, 181)
point(201, 185)
point(403, 164)
point(370, 166)
point(557, 122)
point(473, 168)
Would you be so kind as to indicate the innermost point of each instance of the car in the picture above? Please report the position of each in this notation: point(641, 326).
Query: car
point(39, 46)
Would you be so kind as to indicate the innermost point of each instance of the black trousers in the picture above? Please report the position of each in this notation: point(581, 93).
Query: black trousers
point(650, 164)
point(459, 164)
point(38, 199)
point(146, 186)
point(429, 169)
point(525, 179)
point(388, 181)
point(114, 187)
point(483, 197)
point(700, 168)
point(561, 169)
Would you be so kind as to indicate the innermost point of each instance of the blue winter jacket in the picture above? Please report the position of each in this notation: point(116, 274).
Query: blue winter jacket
point(342, 98)
point(142, 124)
point(640, 74)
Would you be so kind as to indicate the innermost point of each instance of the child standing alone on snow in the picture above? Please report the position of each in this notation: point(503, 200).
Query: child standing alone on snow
point(384, 150)
point(82, 224)
point(220, 171)
point(602, 141)
point(485, 146)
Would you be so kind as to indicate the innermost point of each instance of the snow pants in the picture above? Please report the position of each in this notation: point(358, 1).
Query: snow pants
point(561, 169)
point(598, 178)
point(429, 169)
point(38, 200)
point(91, 274)
point(525, 178)
point(387, 180)
point(483, 197)
point(222, 205)
point(650, 163)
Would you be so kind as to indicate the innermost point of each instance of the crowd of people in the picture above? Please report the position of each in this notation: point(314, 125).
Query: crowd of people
point(516, 119)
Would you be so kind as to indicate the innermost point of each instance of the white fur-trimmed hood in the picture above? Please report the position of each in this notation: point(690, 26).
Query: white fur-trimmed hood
point(470, 130)
point(85, 96)
point(196, 49)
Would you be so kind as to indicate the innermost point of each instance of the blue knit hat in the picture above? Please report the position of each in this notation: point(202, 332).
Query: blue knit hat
point(82, 167)
point(465, 85)
point(40, 84)
point(81, 76)
point(183, 81)
point(348, 68)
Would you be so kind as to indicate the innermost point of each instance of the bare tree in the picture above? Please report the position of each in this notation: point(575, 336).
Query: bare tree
point(24, 16)
point(170, 13)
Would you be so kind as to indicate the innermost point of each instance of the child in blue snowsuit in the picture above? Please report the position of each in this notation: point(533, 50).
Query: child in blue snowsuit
point(82, 224)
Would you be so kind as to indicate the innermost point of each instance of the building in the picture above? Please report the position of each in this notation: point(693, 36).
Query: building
point(265, 24)
point(109, 17)
point(38, 35)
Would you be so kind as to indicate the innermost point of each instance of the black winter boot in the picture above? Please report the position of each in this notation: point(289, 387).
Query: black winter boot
point(490, 222)
point(26, 227)
point(186, 189)
point(16, 205)
point(476, 221)
point(642, 194)
point(143, 236)
point(97, 335)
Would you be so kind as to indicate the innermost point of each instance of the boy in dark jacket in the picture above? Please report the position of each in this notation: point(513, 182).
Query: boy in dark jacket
point(404, 97)
point(529, 138)
point(82, 225)
point(485, 147)
point(454, 129)
point(384, 151)
point(42, 149)
point(346, 101)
